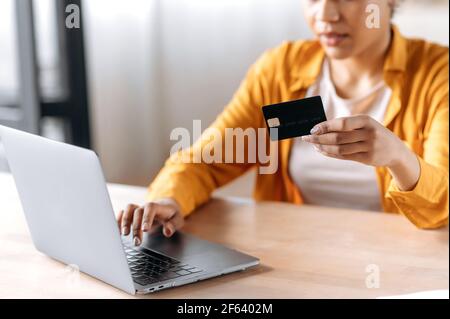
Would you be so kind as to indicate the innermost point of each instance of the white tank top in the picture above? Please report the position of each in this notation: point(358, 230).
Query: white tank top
point(332, 182)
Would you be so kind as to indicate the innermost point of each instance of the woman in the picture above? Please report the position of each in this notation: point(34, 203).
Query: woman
point(383, 147)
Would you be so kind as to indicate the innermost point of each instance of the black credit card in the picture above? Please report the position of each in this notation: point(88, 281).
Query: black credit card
point(293, 118)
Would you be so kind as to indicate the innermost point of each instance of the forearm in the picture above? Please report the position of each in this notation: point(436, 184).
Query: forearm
point(426, 204)
point(405, 169)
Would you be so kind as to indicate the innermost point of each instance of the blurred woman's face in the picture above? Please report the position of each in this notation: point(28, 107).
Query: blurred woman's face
point(344, 27)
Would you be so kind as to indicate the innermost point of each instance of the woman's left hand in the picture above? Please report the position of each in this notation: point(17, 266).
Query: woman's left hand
point(360, 138)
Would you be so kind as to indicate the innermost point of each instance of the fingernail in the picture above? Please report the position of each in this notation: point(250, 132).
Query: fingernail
point(306, 138)
point(125, 230)
point(315, 130)
point(145, 227)
point(137, 241)
point(316, 148)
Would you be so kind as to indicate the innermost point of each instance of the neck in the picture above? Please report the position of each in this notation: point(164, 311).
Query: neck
point(364, 70)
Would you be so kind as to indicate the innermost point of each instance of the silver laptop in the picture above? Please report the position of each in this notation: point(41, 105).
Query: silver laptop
point(71, 219)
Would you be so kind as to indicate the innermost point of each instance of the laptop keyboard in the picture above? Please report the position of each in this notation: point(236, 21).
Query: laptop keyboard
point(148, 267)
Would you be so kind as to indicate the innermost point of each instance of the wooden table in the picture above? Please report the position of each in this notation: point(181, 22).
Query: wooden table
point(305, 252)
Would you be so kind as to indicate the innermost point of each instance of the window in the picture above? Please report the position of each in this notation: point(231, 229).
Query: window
point(8, 62)
point(42, 71)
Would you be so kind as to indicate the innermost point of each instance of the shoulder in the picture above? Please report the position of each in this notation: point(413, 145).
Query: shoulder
point(428, 59)
point(427, 71)
point(426, 50)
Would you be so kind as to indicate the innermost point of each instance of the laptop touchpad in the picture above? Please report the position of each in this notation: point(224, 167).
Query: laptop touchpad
point(179, 245)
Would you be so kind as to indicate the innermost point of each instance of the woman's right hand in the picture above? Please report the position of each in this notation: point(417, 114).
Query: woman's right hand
point(140, 219)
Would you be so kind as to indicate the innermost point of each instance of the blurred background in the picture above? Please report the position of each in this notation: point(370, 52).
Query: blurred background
point(136, 69)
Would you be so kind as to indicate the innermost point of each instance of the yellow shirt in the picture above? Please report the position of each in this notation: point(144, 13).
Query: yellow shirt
point(417, 73)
